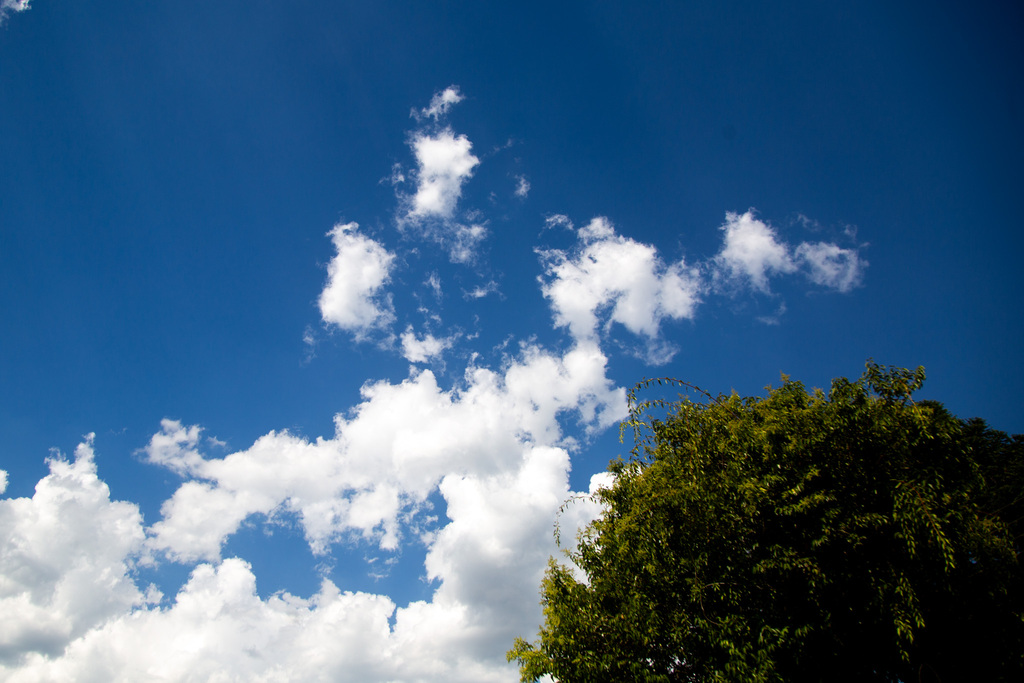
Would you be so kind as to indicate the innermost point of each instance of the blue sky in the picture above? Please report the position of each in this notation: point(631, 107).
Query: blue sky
point(315, 313)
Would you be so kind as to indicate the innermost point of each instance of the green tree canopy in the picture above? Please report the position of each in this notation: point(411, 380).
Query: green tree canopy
point(800, 536)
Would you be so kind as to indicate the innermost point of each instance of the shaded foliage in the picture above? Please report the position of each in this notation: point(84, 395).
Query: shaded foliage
point(800, 536)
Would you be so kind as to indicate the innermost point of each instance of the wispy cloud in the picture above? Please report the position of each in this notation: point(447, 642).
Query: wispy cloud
point(481, 291)
point(558, 220)
point(463, 242)
point(439, 105)
point(8, 6)
point(522, 186)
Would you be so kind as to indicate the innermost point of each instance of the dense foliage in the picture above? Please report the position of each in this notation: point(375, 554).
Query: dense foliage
point(801, 536)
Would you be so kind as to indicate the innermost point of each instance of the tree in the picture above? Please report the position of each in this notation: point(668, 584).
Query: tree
point(801, 536)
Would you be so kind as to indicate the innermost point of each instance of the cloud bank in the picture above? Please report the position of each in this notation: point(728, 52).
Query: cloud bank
point(372, 478)
point(494, 450)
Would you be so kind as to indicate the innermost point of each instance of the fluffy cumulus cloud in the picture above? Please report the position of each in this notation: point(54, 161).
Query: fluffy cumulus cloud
point(752, 252)
point(444, 163)
point(66, 559)
point(385, 459)
point(217, 628)
point(831, 266)
point(611, 279)
point(352, 298)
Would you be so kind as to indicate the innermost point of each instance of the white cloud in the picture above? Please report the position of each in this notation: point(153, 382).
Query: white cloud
point(522, 186)
point(491, 557)
point(831, 266)
point(8, 6)
point(440, 103)
point(397, 177)
point(175, 448)
point(493, 449)
point(558, 220)
point(488, 561)
point(751, 251)
point(434, 283)
point(384, 460)
point(352, 297)
point(612, 279)
point(66, 557)
point(599, 228)
point(444, 162)
point(619, 280)
point(218, 629)
point(481, 291)
point(463, 241)
point(422, 349)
